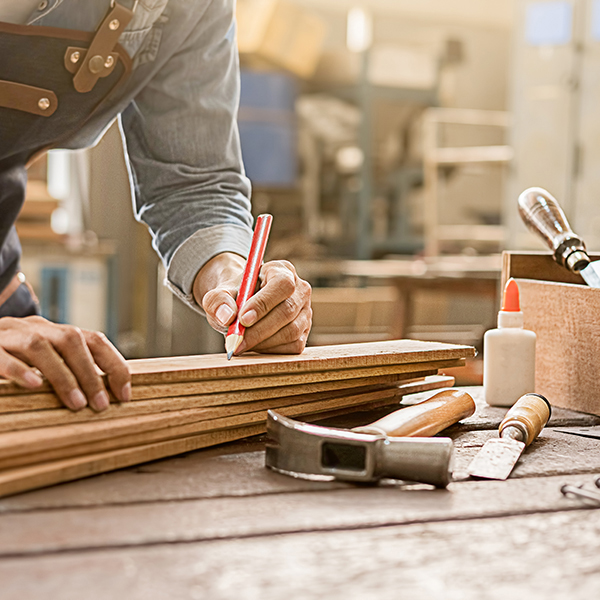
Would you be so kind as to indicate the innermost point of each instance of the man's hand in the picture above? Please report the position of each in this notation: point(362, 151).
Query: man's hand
point(277, 318)
point(67, 356)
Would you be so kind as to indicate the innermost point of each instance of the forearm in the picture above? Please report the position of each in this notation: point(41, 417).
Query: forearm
point(185, 158)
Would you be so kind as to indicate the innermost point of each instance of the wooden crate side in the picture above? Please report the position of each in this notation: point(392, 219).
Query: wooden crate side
point(566, 319)
point(539, 266)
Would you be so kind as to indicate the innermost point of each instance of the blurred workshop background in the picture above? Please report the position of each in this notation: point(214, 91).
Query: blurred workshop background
point(390, 140)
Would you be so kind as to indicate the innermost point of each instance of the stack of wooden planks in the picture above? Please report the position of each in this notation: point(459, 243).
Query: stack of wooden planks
point(185, 403)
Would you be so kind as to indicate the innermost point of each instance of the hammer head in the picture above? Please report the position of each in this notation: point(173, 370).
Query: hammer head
point(324, 453)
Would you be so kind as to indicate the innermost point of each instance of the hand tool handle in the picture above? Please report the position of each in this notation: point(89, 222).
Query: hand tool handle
point(253, 265)
point(527, 417)
point(424, 419)
point(543, 215)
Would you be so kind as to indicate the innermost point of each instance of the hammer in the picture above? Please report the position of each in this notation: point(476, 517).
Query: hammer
point(382, 449)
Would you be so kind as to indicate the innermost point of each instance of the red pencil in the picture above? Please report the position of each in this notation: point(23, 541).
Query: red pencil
point(235, 333)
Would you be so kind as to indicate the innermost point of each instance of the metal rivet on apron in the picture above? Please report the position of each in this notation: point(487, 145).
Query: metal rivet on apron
point(44, 103)
point(96, 64)
point(75, 56)
point(110, 61)
point(43, 5)
point(114, 24)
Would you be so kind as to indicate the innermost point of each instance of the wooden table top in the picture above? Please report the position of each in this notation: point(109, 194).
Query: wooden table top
point(216, 524)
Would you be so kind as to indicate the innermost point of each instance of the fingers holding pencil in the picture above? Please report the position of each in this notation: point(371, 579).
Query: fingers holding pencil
point(282, 304)
point(278, 317)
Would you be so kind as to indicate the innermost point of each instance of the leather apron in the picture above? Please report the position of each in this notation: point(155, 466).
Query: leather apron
point(51, 82)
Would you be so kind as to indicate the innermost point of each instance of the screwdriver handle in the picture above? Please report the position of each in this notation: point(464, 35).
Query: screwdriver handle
point(542, 214)
point(529, 415)
point(426, 418)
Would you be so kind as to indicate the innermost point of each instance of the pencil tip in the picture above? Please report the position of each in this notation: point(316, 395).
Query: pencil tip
point(229, 355)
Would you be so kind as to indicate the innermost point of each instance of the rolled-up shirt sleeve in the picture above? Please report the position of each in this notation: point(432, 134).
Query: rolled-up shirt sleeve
point(184, 153)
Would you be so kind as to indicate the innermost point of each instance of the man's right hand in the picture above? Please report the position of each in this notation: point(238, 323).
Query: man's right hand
point(67, 356)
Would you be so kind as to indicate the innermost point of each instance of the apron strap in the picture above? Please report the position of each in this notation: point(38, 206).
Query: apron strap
point(97, 61)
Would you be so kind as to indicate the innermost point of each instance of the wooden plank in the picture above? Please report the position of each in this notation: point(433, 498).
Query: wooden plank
point(492, 558)
point(233, 469)
point(313, 359)
point(26, 478)
point(54, 443)
point(135, 525)
point(63, 416)
point(204, 393)
point(145, 392)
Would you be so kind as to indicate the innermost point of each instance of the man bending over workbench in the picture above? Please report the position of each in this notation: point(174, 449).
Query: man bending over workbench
point(168, 70)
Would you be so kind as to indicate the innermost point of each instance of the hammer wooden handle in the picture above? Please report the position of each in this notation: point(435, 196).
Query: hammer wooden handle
point(424, 419)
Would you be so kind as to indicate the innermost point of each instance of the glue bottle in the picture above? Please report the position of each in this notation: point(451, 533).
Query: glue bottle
point(508, 354)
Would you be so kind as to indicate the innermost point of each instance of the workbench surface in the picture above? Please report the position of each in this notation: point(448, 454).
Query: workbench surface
point(216, 524)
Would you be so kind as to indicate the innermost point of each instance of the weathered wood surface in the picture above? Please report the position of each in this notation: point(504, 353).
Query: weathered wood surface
point(269, 514)
point(454, 560)
point(216, 524)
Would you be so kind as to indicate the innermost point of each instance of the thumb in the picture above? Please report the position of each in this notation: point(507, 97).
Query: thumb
point(220, 307)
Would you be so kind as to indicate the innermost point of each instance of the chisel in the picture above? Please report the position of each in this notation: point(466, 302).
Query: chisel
point(543, 215)
point(521, 425)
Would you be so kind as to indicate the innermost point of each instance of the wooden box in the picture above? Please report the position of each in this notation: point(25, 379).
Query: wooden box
point(565, 314)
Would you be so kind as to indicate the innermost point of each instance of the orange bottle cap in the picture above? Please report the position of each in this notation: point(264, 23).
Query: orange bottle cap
point(510, 302)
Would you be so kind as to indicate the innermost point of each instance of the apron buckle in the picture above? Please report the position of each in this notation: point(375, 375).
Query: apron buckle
point(100, 55)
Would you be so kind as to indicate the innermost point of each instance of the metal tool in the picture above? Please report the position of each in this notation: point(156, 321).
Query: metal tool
point(543, 215)
point(580, 492)
point(522, 424)
point(367, 454)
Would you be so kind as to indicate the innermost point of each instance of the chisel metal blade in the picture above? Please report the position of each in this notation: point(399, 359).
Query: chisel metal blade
point(591, 274)
point(496, 459)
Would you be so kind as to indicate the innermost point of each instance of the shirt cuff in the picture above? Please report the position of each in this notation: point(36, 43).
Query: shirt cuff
point(197, 250)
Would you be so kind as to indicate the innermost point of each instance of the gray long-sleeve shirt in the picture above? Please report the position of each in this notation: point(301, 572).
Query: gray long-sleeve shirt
point(178, 116)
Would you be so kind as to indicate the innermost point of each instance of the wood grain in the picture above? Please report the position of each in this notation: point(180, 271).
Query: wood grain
point(536, 265)
point(39, 475)
point(335, 379)
point(53, 443)
point(323, 359)
point(182, 400)
point(492, 559)
point(135, 525)
point(566, 320)
point(27, 419)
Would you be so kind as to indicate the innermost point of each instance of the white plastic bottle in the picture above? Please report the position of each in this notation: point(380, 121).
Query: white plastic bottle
point(508, 354)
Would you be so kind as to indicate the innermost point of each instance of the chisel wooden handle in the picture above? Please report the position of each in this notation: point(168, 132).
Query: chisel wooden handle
point(543, 215)
point(526, 419)
point(424, 419)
